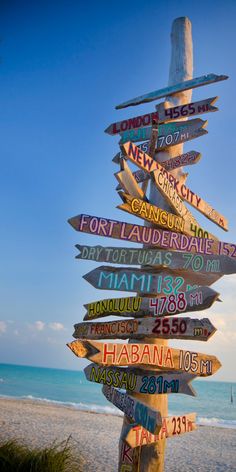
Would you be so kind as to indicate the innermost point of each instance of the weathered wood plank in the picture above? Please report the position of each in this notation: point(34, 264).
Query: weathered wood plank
point(163, 113)
point(140, 381)
point(148, 280)
point(186, 159)
point(140, 175)
point(137, 411)
point(159, 356)
point(169, 134)
point(184, 223)
point(128, 182)
point(171, 426)
point(163, 328)
point(175, 260)
point(197, 299)
point(151, 236)
point(167, 182)
point(180, 87)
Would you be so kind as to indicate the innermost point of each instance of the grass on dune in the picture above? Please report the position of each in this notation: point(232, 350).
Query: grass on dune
point(15, 457)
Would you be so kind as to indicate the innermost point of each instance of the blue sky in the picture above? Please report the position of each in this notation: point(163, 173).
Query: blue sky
point(64, 67)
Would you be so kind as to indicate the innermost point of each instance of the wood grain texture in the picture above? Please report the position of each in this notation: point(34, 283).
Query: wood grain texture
point(173, 89)
point(184, 223)
point(163, 113)
point(147, 280)
point(197, 299)
point(165, 180)
point(136, 411)
point(163, 328)
point(150, 236)
point(159, 258)
point(140, 381)
point(169, 133)
point(171, 426)
point(158, 356)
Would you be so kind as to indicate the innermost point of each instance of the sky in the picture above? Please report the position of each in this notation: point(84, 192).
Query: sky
point(64, 67)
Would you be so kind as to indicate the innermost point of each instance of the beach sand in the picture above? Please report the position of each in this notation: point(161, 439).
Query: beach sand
point(95, 436)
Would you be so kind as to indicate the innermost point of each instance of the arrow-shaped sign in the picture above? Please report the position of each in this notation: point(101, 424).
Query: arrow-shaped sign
point(150, 236)
point(128, 182)
point(148, 280)
point(169, 134)
point(197, 299)
point(171, 426)
point(175, 260)
point(185, 223)
point(137, 411)
point(163, 328)
point(159, 356)
point(186, 159)
point(167, 183)
point(172, 89)
point(140, 381)
point(189, 158)
point(162, 114)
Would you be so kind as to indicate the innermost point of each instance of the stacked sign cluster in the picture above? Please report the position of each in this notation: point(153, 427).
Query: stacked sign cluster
point(171, 272)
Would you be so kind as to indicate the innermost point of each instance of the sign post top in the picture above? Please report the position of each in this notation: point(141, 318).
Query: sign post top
point(172, 89)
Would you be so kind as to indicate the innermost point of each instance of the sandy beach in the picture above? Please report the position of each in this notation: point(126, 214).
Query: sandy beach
point(94, 437)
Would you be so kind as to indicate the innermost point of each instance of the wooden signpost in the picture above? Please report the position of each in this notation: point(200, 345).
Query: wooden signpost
point(177, 264)
point(176, 260)
point(162, 114)
point(137, 411)
point(163, 328)
point(152, 236)
point(185, 223)
point(148, 280)
point(169, 134)
point(136, 380)
point(196, 299)
point(159, 356)
point(173, 89)
point(136, 435)
point(167, 182)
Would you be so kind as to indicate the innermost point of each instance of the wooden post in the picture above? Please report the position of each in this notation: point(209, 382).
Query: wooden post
point(151, 458)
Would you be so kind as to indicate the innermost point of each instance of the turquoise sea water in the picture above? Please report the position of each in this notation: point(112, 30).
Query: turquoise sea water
point(66, 387)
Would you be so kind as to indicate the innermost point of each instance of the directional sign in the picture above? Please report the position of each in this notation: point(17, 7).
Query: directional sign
point(176, 260)
point(128, 181)
point(162, 114)
point(167, 183)
point(169, 134)
point(140, 381)
point(150, 236)
point(163, 218)
point(189, 158)
point(186, 159)
point(148, 280)
point(172, 89)
point(158, 356)
point(171, 426)
point(164, 328)
point(197, 299)
point(137, 411)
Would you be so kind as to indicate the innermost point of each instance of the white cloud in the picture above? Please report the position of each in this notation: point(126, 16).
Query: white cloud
point(39, 325)
point(3, 327)
point(56, 326)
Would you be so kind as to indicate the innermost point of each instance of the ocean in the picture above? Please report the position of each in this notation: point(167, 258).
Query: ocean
point(70, 388)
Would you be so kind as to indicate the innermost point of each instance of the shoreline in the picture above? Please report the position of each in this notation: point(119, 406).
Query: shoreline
point(94, 437)
point(111, 410)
